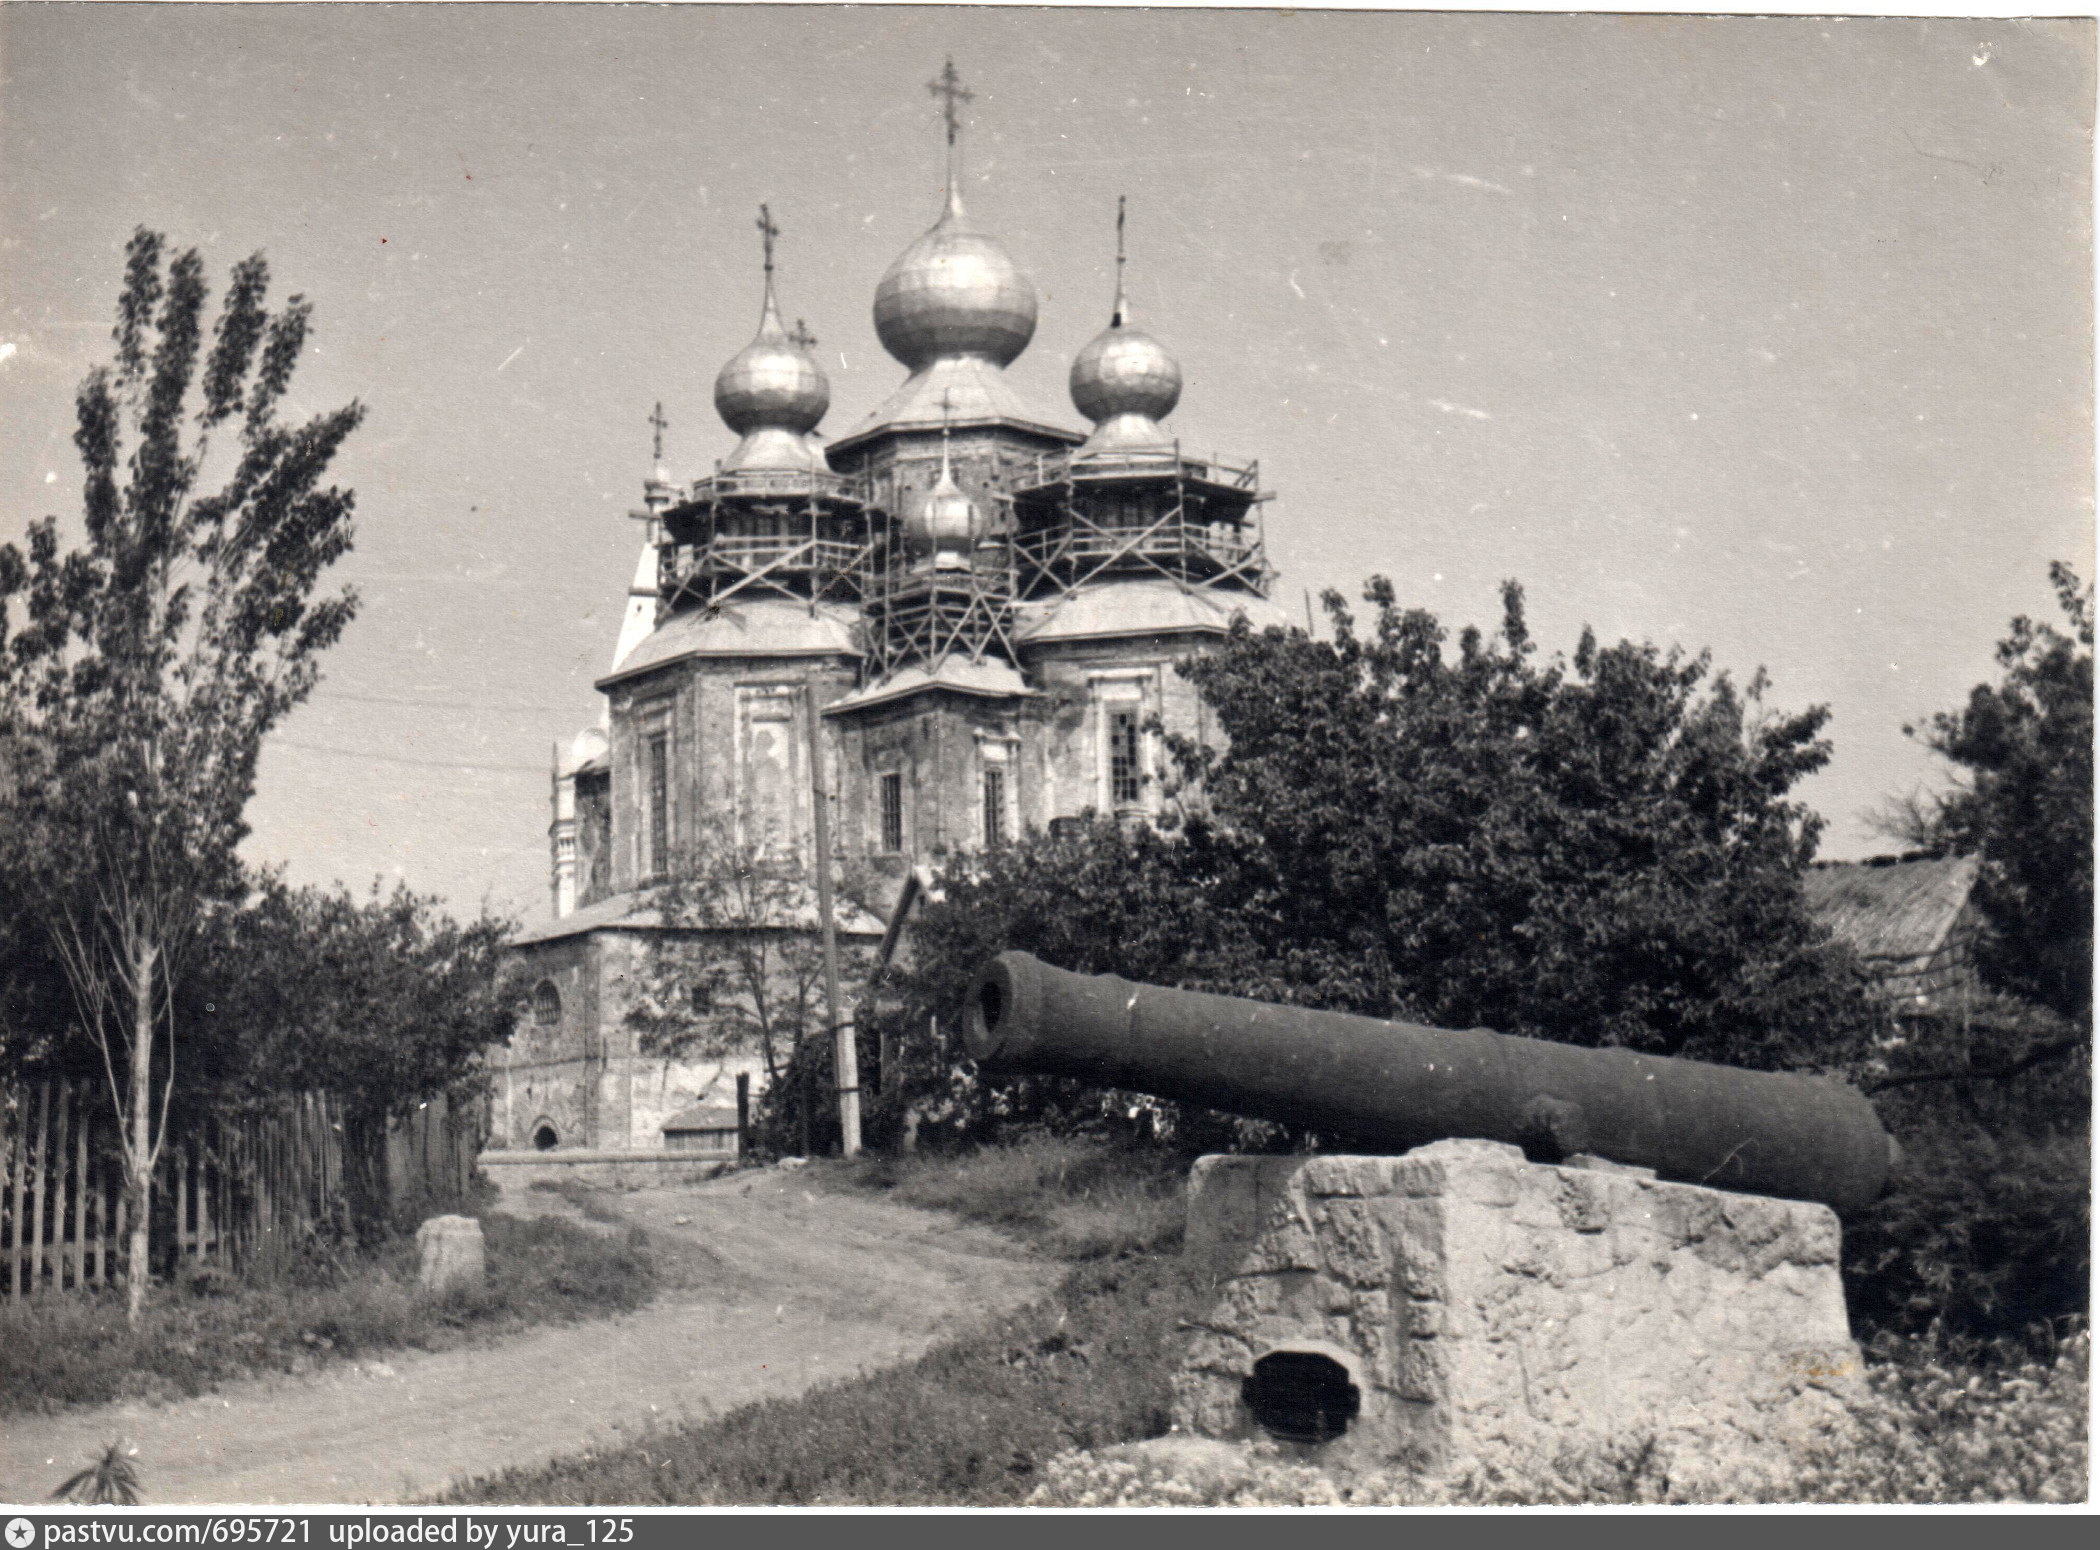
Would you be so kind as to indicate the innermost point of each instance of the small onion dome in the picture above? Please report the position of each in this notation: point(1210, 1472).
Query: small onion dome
point(954, 292)
point(1125, 371)
point(946, 522)
point(772, 384)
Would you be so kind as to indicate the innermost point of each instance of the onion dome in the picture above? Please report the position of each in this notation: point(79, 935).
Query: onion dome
point(946, 524)
point(772, 392)
point(1124, 380)
point(954, 292)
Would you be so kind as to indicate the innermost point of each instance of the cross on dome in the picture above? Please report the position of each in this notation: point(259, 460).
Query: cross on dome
point(772, 392)
point(1124, 380)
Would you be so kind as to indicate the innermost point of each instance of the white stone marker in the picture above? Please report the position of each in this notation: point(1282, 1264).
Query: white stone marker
point(453, 1256)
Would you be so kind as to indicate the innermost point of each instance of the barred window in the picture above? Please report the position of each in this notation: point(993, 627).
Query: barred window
point(546, 1004)
point(994, 808)
point(892, 813)
point(1123, 774)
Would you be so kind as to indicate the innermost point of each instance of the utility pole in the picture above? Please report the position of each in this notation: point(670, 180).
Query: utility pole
point(845, 1059)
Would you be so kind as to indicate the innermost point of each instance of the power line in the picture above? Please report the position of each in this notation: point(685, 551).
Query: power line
point(394, 758)
point(391, 699)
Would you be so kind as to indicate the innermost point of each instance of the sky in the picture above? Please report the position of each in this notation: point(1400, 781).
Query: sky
point(1766, 337)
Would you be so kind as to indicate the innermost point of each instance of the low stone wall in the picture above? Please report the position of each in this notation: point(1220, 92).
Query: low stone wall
point(1489, 1310)
point(623, 1170)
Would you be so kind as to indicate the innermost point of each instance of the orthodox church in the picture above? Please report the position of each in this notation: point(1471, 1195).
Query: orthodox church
point(955, 623)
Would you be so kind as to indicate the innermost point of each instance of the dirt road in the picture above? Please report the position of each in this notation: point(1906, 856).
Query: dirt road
point(783, 1288)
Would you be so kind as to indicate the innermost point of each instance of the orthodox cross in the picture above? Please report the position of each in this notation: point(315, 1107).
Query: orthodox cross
point(1121, 308)
point(768, 231)
point(661, 425)
point(950, 88)
point(802, 337)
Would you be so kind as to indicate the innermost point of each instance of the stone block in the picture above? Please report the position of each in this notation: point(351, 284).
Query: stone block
point(453, 1256)
point(1486, 1304)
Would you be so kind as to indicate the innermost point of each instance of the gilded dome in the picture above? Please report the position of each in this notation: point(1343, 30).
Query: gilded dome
point(1125, 371)
point(954, 292)
point(946, 522)
point(772, 383)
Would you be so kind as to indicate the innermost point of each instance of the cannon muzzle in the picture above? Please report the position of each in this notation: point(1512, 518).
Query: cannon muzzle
point(1390, 1087)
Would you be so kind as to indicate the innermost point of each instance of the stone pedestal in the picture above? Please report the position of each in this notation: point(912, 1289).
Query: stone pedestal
point(453, 1255)
point(1491, 1311)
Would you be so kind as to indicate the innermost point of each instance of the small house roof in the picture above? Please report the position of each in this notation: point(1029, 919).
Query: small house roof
point(702, 1116)
point(1892, 909)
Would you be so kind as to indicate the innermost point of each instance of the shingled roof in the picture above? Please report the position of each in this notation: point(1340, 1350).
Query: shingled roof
point(1904, 917)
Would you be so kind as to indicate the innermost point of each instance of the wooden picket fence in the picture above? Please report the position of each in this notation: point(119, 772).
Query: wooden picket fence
point(224, 1187)
point(227, 1187)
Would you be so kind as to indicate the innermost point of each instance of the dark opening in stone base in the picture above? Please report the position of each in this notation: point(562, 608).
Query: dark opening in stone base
point(1302, 1396)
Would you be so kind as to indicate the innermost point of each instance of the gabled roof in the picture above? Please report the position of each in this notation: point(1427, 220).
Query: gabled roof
point(1892, 910)
point(991, 679)
point(959, 391)
point(1140, 605)
point(778, 905)
point(759, 627)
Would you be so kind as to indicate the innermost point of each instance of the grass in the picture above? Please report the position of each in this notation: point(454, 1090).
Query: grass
point(319, 1307)
point(1073, 1199)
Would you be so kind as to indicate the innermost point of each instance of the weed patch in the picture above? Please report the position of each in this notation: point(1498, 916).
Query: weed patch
point(1073, 1198)
point(308, 1309)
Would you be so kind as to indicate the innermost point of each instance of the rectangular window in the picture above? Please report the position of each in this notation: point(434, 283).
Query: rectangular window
point(892, 813)
point(994, 808)
point(1123, 770)
point(659, 805)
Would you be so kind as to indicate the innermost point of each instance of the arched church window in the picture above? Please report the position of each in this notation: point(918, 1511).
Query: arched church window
point(546, 1004)
point(544, 1136)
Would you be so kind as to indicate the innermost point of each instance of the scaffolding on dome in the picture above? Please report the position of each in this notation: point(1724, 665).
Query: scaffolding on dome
point(802, 534)
point(1081, 516)
point(921, 614)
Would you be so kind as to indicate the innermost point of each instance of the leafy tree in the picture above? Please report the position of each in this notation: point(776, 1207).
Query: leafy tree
point(140, 672)
point(2023, 802)
point(385, 1002)
point(1598, 850)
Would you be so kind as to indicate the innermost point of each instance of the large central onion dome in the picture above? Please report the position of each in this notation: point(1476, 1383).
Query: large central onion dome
point(954, 292)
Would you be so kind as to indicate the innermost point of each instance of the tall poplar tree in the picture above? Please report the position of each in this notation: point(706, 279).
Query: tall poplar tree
point(140, 671)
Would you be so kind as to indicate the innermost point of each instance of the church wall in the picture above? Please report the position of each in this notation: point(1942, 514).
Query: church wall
point(986, 461)
point(595, 1076)
point(593, 836)
point(1082, 682)
point(941, 746)
point(737, 762)
point(546, 1073)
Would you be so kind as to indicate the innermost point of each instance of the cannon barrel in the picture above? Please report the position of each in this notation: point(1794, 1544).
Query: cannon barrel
point(1390, 1086)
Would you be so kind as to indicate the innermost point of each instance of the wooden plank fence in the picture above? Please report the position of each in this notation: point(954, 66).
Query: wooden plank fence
point(227, 1186)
